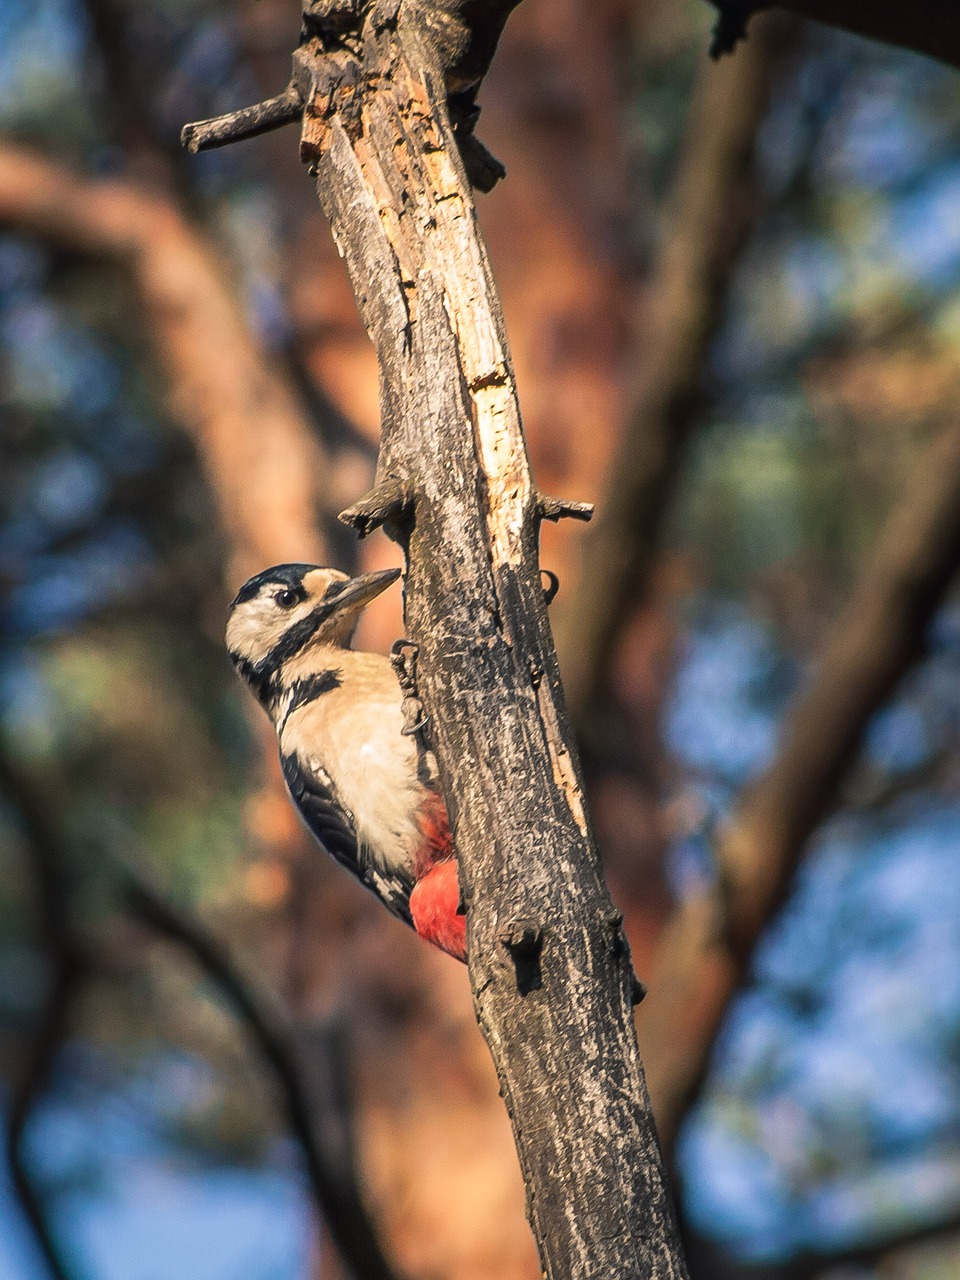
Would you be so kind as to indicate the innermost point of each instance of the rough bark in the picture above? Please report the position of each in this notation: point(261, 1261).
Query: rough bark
point(263, 459)
point(710, 214)
point(437, 1151)
point(928, 26)
point(550, 968)
point(706, 947)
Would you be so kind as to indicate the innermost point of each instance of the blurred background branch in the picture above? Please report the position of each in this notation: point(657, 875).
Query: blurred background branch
point(927, 26)
point(706, 947)
point(322, 1132)
point(265, 459)
point(711, 211)
point(68, 960)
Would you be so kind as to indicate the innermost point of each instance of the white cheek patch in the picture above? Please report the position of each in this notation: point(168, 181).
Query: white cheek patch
point(246, 635)
point(258, 625)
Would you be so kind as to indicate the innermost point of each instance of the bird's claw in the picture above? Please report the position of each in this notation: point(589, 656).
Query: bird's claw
point(403, 655)
point(414, 717)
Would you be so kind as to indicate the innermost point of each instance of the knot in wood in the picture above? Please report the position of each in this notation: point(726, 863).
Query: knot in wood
point(522, 938)
point(403, 659)
point(613, 923)
point(560, 509)
point(415, 718)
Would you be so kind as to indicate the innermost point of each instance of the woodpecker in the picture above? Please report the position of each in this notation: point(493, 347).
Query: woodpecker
point(366, 789)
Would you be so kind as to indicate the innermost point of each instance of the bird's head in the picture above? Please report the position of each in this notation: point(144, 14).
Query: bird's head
point(282, 611)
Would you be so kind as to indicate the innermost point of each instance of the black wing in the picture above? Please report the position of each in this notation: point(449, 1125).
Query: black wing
point(315, 797)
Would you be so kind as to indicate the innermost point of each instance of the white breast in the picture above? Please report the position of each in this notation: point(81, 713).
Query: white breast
point(354, 733)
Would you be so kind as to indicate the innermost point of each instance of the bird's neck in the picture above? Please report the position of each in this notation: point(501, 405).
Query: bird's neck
point(319, 664)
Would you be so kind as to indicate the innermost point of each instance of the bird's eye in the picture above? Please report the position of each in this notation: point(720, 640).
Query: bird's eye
point(286, 598)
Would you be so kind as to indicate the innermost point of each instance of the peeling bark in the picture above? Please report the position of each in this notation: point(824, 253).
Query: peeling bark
point(550, 968)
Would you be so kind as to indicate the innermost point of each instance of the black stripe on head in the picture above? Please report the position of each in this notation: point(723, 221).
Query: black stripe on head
point(296, 638)
point(281, 575)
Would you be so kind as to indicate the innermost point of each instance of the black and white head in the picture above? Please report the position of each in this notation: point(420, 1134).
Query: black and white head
point(282, 611)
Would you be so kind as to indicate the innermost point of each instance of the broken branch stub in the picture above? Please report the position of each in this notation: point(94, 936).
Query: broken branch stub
point(553, 983)
point(462, 36)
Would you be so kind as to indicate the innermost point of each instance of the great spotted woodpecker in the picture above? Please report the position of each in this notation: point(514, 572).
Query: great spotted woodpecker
point(366, 790)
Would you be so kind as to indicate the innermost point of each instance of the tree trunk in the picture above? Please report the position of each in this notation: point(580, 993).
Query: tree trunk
point(550, 968)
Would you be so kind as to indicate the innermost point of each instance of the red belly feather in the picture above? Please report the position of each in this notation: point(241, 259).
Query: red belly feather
point(435, 898)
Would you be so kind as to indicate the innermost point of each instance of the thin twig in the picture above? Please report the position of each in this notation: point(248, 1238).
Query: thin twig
point(249, 122)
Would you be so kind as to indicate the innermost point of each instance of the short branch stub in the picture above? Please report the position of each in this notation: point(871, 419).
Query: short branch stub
point(560, 509)
point(391, 502)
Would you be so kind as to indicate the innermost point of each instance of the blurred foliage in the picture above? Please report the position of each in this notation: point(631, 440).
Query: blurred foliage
point(839, 355)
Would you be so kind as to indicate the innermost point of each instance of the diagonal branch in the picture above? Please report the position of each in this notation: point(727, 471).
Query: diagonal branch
point(706, 947)
point(552, 980)
point(928, 26)
point(323, 1139)
point(263, 459)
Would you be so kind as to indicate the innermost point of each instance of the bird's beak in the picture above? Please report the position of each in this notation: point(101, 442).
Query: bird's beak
point(359, 591)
